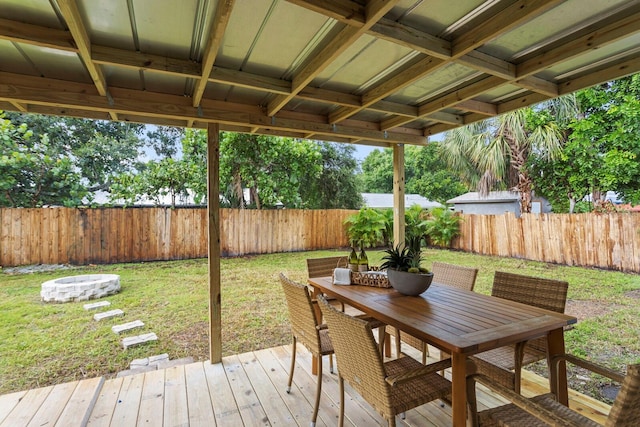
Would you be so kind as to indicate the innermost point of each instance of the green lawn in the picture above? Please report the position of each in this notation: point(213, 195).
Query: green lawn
point(42, 344)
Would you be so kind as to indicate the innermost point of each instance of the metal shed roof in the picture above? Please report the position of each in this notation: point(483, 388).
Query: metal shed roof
point(371, 72)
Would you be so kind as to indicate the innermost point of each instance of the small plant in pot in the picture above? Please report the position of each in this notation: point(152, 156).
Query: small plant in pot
point(403, 268)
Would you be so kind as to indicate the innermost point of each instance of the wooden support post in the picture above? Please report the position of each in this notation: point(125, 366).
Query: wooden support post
point(213, 213)
point(398, 194)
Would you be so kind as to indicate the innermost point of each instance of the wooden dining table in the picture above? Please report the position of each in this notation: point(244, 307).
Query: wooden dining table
point(460, 322)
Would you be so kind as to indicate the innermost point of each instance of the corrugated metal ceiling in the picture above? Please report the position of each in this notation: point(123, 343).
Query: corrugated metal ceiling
point(374, 72)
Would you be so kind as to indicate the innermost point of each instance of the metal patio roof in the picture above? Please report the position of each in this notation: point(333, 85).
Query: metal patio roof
point(370, 72)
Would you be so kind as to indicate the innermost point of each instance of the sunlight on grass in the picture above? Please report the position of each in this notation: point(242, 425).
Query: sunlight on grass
point(43, 344)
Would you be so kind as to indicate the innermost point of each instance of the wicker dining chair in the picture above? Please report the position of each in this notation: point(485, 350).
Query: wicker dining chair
point(445, 274)
point(306, 330)
point(544, 410)
point(504, 364)
point(321, 267)
point(391, 387)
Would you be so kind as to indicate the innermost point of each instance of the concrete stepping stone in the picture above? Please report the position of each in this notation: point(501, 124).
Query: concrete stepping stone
point(135, 371)
point(139, 340)
point(96, 305)
point(108, 314)
point(149, 361)
point(127, 326)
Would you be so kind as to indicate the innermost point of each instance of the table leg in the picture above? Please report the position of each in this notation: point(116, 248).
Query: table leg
point(459, 389)
point(318, 312)
point(557, 377)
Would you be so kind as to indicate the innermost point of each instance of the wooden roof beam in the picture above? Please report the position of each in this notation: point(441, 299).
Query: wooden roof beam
point(504, 20)
point(374, 10)
point(77, 96)
point(218, 26)
point(73, 19)
point(623, 24)
point(36, 35)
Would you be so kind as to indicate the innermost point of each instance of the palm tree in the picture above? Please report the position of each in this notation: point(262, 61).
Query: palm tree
point(493, 153)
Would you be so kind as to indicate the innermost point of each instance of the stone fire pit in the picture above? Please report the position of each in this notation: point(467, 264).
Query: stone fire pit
point(80, 288)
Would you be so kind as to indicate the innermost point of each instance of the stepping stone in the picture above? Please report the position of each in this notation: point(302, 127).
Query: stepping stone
point(138, 340)
point(127, 326)
point(96, 305)
point(135, 371)
point(108, 314)
point(149, 361)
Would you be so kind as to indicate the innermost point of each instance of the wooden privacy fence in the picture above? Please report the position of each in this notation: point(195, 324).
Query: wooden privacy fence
point(608, 240)
point(109, 235)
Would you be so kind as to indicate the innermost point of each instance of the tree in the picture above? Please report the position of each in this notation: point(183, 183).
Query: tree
point(178, 178)
point(98, 149)
point(602, 149)
point(425, 173)
point(336, 186)
point(33, 174)
point(495, 152)
point(272, 168)
point(377, 172)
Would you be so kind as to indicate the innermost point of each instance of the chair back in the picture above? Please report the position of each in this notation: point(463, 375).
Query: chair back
point(301, 314)
point(321, 267)
point(625, 411)
point(358, 356)
point(543, 293)
point(454, 275)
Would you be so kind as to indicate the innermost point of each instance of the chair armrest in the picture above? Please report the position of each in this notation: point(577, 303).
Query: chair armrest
point(520, 401)
point(418, 372)
point(375, 323)
point(583, 363)
point(322, 326)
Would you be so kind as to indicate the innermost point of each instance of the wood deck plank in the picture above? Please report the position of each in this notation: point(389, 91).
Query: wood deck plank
point(247, 389)
point(249, 405)
point(24, 411)
point(126, 410)
point(83, 399)
point(106, 404)
point(8, 402)
point(198, 398)
point(151, 409)
point(224, 403)
point(52, 407)
point(277, 413)
point(355, 413)
point(176, 411)
point(300, 409)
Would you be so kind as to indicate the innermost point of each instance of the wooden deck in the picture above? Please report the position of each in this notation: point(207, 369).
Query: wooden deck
point(246, 389)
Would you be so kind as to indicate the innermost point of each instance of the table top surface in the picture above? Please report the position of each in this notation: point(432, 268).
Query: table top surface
point(451, 319)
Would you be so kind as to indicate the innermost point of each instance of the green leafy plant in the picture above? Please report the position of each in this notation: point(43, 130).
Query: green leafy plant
point(406, 258)
point(366, 227)
point(442, 227)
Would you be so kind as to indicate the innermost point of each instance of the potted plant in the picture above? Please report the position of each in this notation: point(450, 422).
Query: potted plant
point(404, 271)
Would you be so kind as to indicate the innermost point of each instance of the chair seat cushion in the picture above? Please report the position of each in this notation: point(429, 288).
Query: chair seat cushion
point(511, 415)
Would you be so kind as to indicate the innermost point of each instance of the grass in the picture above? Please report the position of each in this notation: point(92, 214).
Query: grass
point(43, 344)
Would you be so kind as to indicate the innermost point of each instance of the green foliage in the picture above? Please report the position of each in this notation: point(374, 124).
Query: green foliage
point(442, 226)
point(273, 169)
point(602, 150)
point(493, 154)
point(425, 173)
point(366, 228)
point(336, 187)
point(32, 173)
point(377, 172)
point(406, 258)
